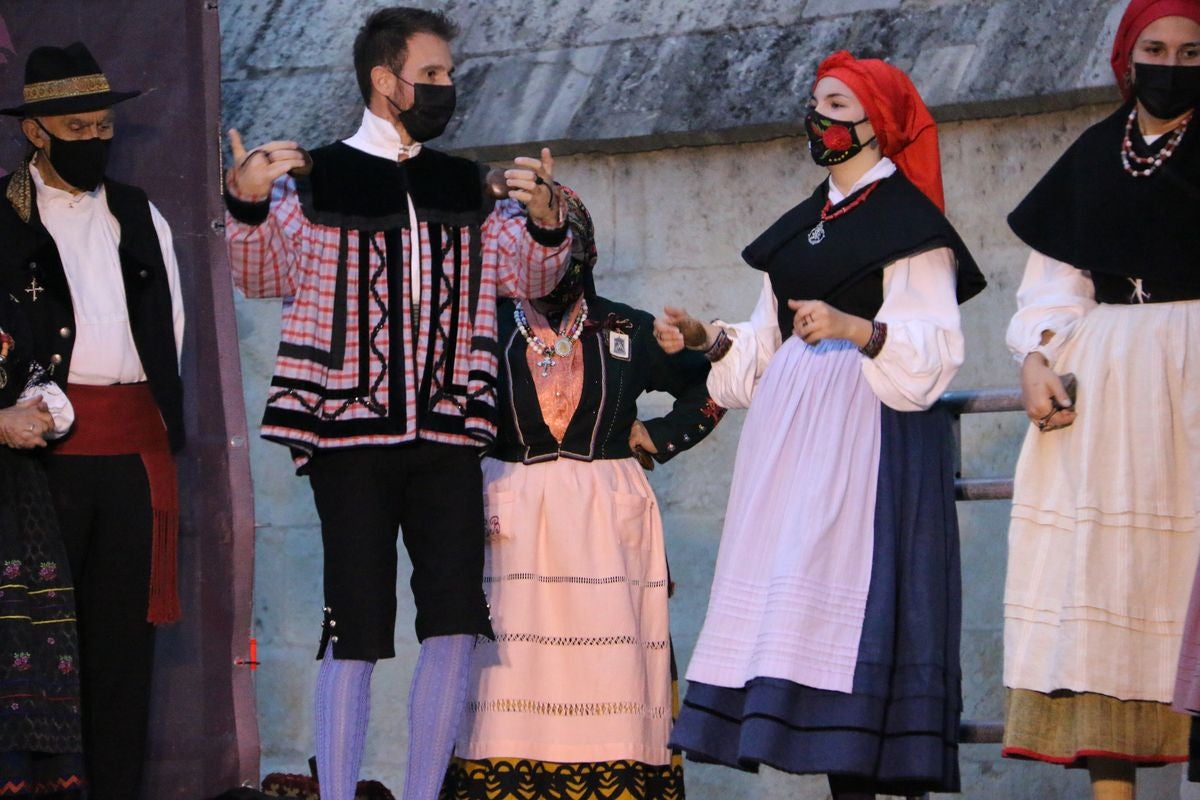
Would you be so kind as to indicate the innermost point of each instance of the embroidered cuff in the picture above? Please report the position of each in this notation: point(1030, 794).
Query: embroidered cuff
point(245, 211)
point(722, 343)
point(546, 237)
point(875, 343)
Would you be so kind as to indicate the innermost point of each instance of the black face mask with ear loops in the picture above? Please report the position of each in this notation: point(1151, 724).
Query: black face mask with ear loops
point(1166, 90)
point(433, 106)
point(79, 162)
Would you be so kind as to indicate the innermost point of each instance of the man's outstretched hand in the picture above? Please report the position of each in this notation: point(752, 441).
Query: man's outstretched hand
point(252, 173)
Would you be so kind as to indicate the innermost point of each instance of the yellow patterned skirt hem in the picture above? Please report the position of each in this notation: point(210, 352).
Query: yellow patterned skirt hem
point(1068, 728)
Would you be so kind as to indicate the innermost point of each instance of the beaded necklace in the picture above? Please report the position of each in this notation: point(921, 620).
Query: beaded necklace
point(817, 234)
point(563, 345)
point(1150, 164)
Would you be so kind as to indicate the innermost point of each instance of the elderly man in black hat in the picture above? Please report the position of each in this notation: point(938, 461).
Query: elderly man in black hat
point(93, 263)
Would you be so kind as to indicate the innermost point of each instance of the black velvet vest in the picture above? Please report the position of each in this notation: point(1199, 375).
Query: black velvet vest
point(845, 268)
point(29, 255)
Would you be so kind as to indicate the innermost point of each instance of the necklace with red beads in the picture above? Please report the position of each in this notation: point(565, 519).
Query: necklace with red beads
point(817, 234)
point(1145, 166)
point(568, 335)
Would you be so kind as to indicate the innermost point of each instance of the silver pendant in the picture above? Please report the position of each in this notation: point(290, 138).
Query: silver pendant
point(546, 363)
point(817, 234)
point(562, 347)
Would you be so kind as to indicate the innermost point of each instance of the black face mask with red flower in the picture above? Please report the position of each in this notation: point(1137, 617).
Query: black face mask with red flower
point(832, 141)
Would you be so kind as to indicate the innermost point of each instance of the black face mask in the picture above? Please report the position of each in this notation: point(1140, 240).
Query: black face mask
point(79, 162)
point(432, 108)
point(832, 141)
point(1166, 91)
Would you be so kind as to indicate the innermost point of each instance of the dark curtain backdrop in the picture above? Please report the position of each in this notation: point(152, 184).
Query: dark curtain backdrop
point(204, 738)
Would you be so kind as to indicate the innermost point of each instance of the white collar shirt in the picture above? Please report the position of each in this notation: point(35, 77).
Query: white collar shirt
point(87, 237)
point(884, 168)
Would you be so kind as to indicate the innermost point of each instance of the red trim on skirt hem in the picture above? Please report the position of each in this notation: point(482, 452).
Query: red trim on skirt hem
point(1077, 759)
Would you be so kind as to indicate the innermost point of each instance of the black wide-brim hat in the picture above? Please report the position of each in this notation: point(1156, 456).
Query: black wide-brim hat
point(64, 80)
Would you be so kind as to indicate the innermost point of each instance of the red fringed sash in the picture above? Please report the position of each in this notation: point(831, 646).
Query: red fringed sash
point(124, 420)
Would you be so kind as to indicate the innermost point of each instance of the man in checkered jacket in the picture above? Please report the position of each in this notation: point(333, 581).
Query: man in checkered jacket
point(390, 257)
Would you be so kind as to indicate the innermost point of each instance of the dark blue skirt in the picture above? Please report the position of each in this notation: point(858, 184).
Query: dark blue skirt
point(897, 731)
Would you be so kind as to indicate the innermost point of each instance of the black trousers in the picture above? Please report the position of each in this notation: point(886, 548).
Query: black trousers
point(432, 493)
point(103, 505)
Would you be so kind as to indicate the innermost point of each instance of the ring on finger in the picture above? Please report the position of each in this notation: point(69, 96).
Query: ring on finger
point(537, 179)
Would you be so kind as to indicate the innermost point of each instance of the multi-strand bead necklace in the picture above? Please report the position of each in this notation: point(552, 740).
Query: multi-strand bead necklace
point(1145, 166)
point(568, 335)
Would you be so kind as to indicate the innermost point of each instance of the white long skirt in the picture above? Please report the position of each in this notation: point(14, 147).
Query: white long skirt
point(1103, 542)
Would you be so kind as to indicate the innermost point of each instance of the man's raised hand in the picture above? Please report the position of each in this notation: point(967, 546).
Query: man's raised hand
point(531, 182)
point(252, 173)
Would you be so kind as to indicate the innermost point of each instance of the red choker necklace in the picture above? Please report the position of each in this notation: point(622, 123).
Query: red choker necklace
point(817, 234)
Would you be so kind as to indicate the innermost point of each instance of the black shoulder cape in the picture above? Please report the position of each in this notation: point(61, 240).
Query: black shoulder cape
point(845, 269)
point(1089, 213)
point(348, 188)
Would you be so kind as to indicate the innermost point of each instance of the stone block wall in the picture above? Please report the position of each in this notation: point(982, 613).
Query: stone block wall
point(637, 75)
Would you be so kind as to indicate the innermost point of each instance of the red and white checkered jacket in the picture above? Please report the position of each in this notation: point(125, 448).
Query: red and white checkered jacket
point(355, 368)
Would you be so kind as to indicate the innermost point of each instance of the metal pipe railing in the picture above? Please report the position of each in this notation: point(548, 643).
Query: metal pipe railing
point(979, 401)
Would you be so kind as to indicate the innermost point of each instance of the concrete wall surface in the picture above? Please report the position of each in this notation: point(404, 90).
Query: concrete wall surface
point(670, 224)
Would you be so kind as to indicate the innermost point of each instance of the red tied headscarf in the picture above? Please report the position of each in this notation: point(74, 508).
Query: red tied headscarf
point(903, 125)
point(1136, 18)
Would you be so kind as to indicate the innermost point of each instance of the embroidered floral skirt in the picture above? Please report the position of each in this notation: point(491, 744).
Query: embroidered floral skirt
point(40, 744)
point(576, 689)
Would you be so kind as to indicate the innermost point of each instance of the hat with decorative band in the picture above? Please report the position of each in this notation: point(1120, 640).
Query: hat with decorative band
point(64, 80)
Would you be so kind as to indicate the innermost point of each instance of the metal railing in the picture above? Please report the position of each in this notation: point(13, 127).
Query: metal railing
point(979, 401)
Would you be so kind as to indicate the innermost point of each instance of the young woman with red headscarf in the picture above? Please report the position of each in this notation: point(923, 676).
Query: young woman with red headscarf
point(831, 640)
point(1103, 542)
